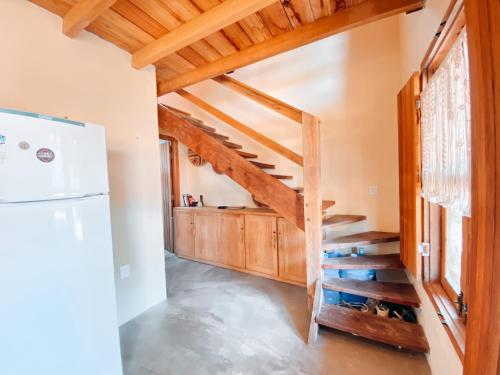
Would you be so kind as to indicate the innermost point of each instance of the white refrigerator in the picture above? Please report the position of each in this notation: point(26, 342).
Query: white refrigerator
point(57, 294)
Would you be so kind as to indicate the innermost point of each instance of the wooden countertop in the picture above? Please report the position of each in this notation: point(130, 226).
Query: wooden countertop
point(248, 211)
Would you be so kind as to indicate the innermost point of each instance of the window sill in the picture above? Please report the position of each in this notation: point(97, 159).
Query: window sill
point(445, 308)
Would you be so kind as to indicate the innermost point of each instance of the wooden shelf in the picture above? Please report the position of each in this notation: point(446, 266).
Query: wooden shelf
point(359, 239)
point(403, 294)
point(373, 262)
point(336, 220)
point(386, 330)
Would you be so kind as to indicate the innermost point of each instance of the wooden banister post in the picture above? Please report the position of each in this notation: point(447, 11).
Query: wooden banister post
point(312, 200)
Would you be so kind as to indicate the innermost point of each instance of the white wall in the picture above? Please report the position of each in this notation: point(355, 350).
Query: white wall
point(350, 81)
point(90, 80)
point(417, 31)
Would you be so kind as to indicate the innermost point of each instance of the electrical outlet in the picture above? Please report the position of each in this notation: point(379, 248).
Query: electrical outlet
point(373, 190)
point(124, 271)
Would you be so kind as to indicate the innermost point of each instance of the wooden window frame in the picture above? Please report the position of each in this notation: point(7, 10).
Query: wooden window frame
point(441, 294)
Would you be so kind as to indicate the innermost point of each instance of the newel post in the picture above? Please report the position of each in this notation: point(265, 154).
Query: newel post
point(312, 200)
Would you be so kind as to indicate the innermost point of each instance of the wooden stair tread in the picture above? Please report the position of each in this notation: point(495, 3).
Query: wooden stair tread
point(327, 204)
point(232, 145)
point(386, 330)
point(367, 262)
point(218, 136)
point(299, 189)
point(178, 111)
point(336, 220)
point(247, 155)
point(205, 128)
point(403, 294)
point(281, 177)
point(262, 165)
point(358, 239)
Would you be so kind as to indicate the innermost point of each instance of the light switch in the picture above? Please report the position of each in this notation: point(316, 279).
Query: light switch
point(373, 190)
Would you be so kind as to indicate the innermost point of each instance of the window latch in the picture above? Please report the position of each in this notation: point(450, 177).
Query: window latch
point(425, 249)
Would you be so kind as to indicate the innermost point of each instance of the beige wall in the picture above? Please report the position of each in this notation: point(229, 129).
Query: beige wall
point(417, 31)
point(90, 80)
point(350, 81)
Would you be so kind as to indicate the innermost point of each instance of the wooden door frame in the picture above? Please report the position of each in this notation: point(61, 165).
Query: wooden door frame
point(482, 350)
point(174, 169)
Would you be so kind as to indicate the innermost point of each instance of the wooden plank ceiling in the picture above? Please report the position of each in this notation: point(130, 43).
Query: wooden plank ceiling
point(133, 24)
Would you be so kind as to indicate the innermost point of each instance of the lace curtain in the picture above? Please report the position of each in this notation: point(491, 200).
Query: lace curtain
point(446, 124)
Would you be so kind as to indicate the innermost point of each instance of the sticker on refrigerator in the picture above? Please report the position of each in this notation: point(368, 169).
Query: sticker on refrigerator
point(23, 145)
point(45, 155)
point(3, 139)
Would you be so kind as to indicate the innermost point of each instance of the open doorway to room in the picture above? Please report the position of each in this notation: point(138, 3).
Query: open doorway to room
point(168, 149)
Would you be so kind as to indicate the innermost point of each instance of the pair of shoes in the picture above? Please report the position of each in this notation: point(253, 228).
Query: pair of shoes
point(354, 305)
point(382, 310)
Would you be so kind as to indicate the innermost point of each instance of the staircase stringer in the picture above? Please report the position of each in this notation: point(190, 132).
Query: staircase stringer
point(266, 188)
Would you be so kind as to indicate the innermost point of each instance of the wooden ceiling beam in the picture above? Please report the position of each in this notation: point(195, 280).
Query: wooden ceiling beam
point(82, 14)
point(343, 20)
point(261, 98)
point(215, 19)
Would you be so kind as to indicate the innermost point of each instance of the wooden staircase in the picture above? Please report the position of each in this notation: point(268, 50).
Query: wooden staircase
point(391, 331)
point(198, 137)
point(304, 208)
point(225, 158)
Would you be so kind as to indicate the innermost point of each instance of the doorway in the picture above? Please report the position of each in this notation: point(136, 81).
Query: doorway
point(167, 194)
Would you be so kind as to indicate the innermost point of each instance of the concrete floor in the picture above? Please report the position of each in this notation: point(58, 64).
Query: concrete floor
point(219, 321)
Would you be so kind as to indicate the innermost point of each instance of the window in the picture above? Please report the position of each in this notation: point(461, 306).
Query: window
point(451, 261)
point(445, 125)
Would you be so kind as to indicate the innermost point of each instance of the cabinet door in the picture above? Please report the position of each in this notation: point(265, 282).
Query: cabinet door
point(232, 240)
point(184, 239)
point(205, 238)
point(291, 252)
point(261, 244)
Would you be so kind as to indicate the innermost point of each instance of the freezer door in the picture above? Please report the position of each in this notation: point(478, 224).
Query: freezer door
point(58, 308)
point(42, 159)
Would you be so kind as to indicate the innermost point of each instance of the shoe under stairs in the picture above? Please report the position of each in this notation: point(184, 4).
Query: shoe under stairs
point(391, 331)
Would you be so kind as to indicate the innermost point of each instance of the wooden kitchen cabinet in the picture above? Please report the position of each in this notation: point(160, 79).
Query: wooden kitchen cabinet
point(261, 244)
point(250, 240)
point(184, 233)
point(291, 252)
point(205, 236)
point(231, 240)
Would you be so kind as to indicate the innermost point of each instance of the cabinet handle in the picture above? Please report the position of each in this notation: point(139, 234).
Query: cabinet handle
point(274, 239)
